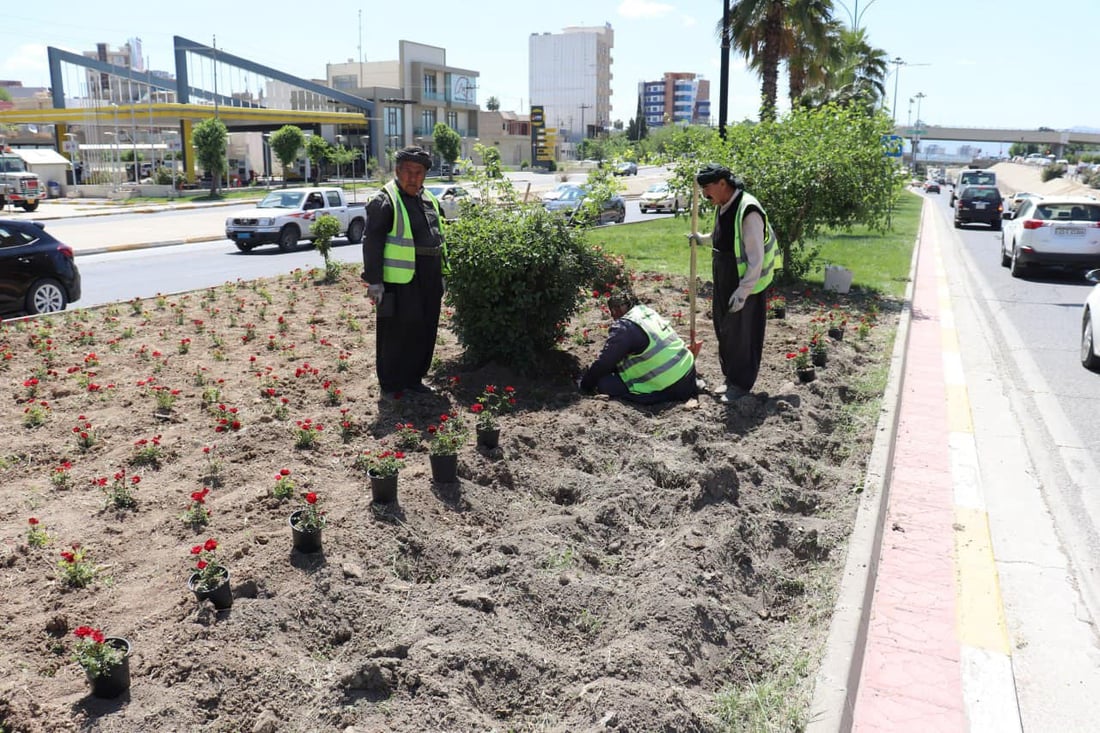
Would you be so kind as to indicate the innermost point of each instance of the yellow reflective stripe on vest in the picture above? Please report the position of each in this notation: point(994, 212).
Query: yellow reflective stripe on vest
point(663, 363)
point(767, 267)
point(399, 251)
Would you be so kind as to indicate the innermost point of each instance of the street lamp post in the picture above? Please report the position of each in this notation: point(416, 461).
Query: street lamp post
point(172, 146)
point(339, 151)
point(916, 136)
point(898, 62)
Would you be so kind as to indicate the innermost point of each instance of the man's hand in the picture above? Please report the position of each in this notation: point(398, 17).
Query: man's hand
point(375, 291)
point(702, 240)
point(736, 303)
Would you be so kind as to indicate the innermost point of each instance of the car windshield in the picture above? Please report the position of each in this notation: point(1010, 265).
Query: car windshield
point(571, 194)
point(436, 191)
point(979, 179)
point(282, 200)
point(1068, 212)
point(658, 188)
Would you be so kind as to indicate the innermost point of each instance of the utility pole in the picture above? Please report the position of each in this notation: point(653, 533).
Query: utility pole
point(584, 130)
point(724, 74)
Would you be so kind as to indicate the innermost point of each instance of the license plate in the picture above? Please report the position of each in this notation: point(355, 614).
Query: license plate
point(1067, 232)
point(979, 206)
point(244, 235)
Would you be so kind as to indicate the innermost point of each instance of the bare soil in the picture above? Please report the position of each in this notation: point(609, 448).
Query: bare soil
point(609, 567)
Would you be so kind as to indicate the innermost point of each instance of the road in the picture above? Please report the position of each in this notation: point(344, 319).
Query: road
point(1034, 325)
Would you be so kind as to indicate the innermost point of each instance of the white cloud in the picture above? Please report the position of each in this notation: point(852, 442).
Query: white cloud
point(27, 64)
point(688, 21)
point(643, 9)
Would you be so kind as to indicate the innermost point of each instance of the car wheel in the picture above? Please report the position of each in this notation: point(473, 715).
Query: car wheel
point(1089, 360)
point(29, 207)
point(622, 215)
point(245, 246)
point(958, 224)
point(1005, 259)
point(46, 296)
point(288, 238)
point(996, 226)
point(1015, 266)
point(355, 231)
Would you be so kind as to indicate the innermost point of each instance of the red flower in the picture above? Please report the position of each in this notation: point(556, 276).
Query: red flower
point(398, 455)
point(284, 472)
point(791, 355)
point(490, 388)
point(210, 545)
point(476, 408)
point(432, 429)
point(196, 549)
point(509, 390)
point(201, 564)
point(32, 521)
point(311, 498)
point(68, 556)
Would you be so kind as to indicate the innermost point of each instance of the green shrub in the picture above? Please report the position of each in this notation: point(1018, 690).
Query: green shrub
point(518, 274)
point(1052, 171)
point(324, 229)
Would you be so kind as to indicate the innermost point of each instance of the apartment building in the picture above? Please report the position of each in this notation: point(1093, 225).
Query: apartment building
point(677, 98)
point(570, 78)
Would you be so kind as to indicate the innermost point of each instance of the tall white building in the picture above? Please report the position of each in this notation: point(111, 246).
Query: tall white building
point(570, 76)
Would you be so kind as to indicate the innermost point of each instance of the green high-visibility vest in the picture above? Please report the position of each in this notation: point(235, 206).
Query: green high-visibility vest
point(767, 269)
point(399, 251)
point(663, 363)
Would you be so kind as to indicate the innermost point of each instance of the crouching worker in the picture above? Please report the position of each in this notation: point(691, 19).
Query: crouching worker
point(643, 361)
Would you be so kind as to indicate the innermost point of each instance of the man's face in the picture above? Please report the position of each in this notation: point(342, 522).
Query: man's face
point(410, 177)
point(718, 193)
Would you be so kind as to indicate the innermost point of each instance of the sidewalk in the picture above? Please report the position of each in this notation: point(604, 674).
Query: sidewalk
point(919, 641)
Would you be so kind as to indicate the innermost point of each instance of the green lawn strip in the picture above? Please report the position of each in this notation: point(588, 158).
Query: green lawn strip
point(879, 262)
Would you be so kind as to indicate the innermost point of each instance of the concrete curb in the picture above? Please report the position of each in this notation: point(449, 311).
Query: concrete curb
point(148, 209)
point(837, 681)
point(143, 245)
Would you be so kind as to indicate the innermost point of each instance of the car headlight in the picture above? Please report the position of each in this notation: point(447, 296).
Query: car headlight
point(266, 221)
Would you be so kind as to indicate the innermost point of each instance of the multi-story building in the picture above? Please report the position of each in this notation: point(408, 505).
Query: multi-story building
point(678, 98)
point(410, 96)
point(570, 77)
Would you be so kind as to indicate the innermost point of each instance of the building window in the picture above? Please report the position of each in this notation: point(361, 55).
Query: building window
point(427, 121)
point(429, 84)
point(452, 120)
point(392, 124)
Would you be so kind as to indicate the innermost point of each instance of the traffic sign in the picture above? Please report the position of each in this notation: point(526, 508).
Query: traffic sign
point(915, 131)
point(894, 144)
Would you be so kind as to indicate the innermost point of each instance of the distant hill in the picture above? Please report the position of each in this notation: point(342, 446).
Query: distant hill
point(1082, 128)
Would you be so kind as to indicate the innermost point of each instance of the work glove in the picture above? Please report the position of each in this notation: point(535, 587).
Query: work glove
point(702, 240)
point(375, 291)
point(736, 303)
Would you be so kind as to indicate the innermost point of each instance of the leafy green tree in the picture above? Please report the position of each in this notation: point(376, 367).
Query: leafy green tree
point(814, 169)
point(317, 150)
point(5, 95)
point(209, 138)
point(341, 156)
point(852, 72)
point(371, 166)
point(448, 143)
point(323, 229)
point(492, 104)
point(490, 159)
point(287, 142)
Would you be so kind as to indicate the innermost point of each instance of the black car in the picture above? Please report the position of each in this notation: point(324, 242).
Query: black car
point(37, 272)
point(979, 205)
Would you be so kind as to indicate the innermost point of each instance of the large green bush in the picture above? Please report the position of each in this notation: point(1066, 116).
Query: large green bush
point(518, 274)
point(1052, 171)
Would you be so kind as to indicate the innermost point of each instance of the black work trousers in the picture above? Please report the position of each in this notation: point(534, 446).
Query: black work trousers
point(740, 335)
point(408, 319)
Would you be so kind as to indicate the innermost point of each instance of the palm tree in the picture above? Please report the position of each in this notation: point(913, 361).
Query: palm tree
point(767, 32)
point(856, 76)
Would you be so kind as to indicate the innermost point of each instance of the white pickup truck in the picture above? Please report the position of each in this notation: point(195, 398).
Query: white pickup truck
point(286, 214)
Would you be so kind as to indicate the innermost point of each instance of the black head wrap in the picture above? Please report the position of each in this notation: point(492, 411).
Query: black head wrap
point(414, 154)
point(712, 173)
point(621, 298)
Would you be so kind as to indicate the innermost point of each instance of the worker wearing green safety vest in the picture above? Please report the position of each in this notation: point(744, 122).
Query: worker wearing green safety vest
point(643, 361)
point(404, 263)
point(743, 250)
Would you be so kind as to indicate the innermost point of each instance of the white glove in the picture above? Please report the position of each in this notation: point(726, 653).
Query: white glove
point(736, 303)
point(375, 291)
point(702, 240)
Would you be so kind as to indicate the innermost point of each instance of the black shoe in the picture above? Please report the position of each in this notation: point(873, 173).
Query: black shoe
point(421, 388)
point(731, 393)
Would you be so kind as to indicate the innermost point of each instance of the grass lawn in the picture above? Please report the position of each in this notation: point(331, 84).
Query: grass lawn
point(879, 262)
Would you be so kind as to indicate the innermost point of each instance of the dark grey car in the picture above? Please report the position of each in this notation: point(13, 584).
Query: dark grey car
point(37, 272)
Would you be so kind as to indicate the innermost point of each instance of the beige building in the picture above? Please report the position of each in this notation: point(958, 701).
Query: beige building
point(410, 96)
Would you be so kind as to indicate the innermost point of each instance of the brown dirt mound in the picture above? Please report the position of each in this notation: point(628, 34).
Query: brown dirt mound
point(609, 567)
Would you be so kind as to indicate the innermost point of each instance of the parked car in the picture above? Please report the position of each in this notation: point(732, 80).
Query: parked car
point(450, 198)
point(659, 197)
point(568, 201)
point(37, 272)
point(285, 216)
point(626, 168)
point(1052, 231)
point(931, 187)
point(979, 204)
point(1090, 337)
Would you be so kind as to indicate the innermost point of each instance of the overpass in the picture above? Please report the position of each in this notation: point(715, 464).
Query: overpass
point(1055, 139)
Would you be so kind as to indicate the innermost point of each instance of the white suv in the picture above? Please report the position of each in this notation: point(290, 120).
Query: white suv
point(1052, 230)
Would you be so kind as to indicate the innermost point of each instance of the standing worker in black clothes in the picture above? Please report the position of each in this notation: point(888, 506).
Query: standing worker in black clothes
point(743, 258)
point(404, 262)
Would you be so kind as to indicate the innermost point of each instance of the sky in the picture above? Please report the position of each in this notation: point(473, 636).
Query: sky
point(976, 62)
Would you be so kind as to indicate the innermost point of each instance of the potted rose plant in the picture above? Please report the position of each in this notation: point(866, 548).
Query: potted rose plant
point(777, 306)
point(105, 659)
point(210, 578)
point(488, 407)
point(382, 468)
point(802, 366)
point(819, 351)
point(446, 438)
point(306, 524)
